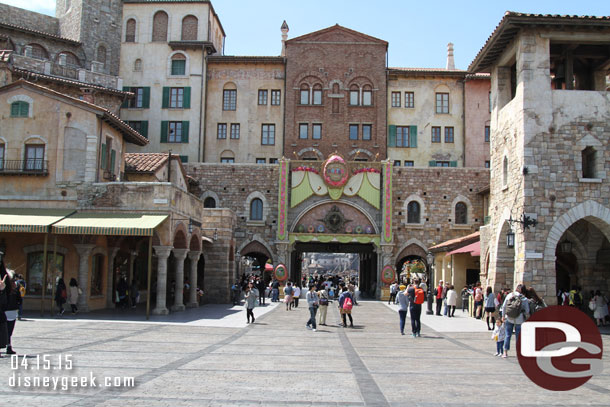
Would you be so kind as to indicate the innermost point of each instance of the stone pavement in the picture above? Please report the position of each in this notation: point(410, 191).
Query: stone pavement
point(277, 362)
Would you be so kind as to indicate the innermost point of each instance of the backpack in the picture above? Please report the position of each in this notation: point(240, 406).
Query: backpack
point(577, 299)
point(288, 291)
point(513, 307)
point(419, 296)
point(535, 306)
point(348, 304)
point(22, 290)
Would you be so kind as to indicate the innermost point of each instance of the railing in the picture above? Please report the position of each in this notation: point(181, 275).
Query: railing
point(24, 167)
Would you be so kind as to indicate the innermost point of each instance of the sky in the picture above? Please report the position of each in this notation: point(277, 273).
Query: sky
point(417, 31)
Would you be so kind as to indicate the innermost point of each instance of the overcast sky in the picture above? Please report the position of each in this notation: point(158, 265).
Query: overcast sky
point(417, 31)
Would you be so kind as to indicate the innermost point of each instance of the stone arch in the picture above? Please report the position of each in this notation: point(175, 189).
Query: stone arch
point(413, 247)
point(299, 79)
point(359, 208)
point(23, 98)
point(256, 244)
point(229, 86)
point(337, 82)
point(360, 82)
point(160, 26)
point(180, 234)
point(254, 195)
point(102, 53)
point(311, 149)
point(195, 242)
point(442, 88)
point(422, 209)
point(210, 194)
point(469, 211)
point(360, 150)
point(37, 51)
point(71, 59)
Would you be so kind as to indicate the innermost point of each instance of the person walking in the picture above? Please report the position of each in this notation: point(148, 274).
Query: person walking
point(123, 287)
point(324, 301)
point(439, 297)
point(515, 311)
point(490, 308)
point(403, 307)
point(314, 302)
point(60, 296)
point(296, 295)
point(478, 301)
point(464, 295)
point(600, 308)
point(288, 291)
point(498, 336)
point(346, 304)
point(352, 289)
point(535, 302)
point(251, 300)
point(10, 298)
point(260, 286)
point(393, 292)
point(275, 291)
point(451, 301)
point(416, 299)
point(235, 293)
point(73, 293)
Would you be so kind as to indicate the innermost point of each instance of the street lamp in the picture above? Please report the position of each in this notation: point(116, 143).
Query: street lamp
point(510, 239)
point(430, 258)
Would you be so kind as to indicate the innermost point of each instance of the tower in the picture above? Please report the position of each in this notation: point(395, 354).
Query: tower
point(285, 30)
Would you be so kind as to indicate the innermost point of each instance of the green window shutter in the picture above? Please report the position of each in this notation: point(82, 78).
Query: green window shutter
point(413, 136)
point(184, 158)
point(453, 163)
point(25, 109)
point(125, 104)
point(144, 128)
point(186, 98)
point(432, 163)
point(392, 136)
point(14, 109)
point(112, 161)
point(146, 97)
point(185, 132)
point(103, 166)
point(164, 126)
point(165, 100)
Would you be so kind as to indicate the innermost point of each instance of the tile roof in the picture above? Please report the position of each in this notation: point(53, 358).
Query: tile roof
point(456, 243)
point(338, 27)
point(512, 22)
point(428, 71)
point(144, 162)
point(5, 55)
point(246, 59)
point(40, 33)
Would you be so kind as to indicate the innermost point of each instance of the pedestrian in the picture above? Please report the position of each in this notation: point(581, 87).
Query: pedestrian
point(251, 300)
point(73, 293)
point(352, 289)
point(498, 335)
point(478, 301)
point(464, 295)
point(313, 301)
point(515, 311)
point(403, 307)
point(535, 302)
point(134, 293)
point(490, 308)
point(575, 297)
point(393, 292)
point(346, 304)
point(260, 286)
point(21, 286)
point(451, 301)
point(9, 300)
point(296, 295)
point(416, 299)
point(235, 293)
point(60, 296)
point(275, 291)
point(439, 297)
point(122, 289)
point(288, 291)
point(599, 307)
point(324, 301)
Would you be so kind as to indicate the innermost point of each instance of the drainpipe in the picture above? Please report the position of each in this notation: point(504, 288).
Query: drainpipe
point(464, 121)
point(169, 167)
point(99, 153)
point(201, 131)
point(205, 110)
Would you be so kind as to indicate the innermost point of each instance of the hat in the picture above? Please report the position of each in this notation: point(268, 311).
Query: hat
point(402, 287)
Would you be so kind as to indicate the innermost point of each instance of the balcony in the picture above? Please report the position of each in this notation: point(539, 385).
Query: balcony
point(24, 167)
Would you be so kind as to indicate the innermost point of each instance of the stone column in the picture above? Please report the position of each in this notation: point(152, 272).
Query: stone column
point(112, 252)
point(194, 258)
point(163, 253)
point(84, 251)
point(132, 259)
point(180, 255)
point(444, 266)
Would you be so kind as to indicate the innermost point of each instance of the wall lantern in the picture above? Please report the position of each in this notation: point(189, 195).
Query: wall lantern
point(510, 239)
point(566, 246)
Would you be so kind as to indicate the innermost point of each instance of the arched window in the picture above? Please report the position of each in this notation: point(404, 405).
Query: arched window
point(304, 96)
point(209, 202)
point(588, 162)
point(256, 209)
point(178, 64)
point(130, 30)
point(159, 32)
point(189, 28)
point(101, 54)
point(461, 213)
point(137, 65)
point(20, 109)
point(367, 96)
point(36, 51)
point(413, 212)
point(354, 95)
point(68, 59)
point(505, 172)
point(317, 94)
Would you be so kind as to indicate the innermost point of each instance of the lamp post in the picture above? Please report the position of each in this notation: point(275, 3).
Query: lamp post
point(430, 258)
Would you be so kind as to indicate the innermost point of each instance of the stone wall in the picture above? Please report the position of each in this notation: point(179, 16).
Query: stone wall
point(28, 19)
point(476, 116)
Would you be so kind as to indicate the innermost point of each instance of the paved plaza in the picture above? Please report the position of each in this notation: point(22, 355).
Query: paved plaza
point(210, 357)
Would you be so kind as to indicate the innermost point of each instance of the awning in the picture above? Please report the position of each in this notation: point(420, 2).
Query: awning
point(114, 224)
point(30, 220)
point(206, 239)
point(474, 249)
point(268, 267)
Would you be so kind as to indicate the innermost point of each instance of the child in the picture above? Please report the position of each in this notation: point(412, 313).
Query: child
point(498, 335)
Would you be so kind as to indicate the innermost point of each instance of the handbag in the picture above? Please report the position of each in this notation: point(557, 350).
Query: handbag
point(592, 305)
point(323, 301)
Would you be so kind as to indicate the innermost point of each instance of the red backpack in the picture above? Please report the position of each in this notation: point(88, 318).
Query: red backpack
point(347, 304)
point(419, 296)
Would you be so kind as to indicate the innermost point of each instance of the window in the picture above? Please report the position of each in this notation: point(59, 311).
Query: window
point(221, 131)
point(413, 212)
point(395, 99)
point(101, 54)
point(588, 162)
point(256, 209)
point(409, 164)
point(130, 30)
point(304, 96)
point(276, 97)
point(461, 213)
point(178, 64)
point(175, 132)
point(159, 31)
point(410, 100)
point(366, 131)
point(176, 97)
point(487, 164)
point(229, 99)
point(354, 96)
point(442, 164)
point(448, 134)
point(316, 131)
point(402, 136)
point(396, 163)
point(209, 202)
point(137, 65)
point(268, 134)
point(261, 161)
point(34, 157)
point(442, 103)
point(36, 51)
point(436, 134)
point(505, 172)
point(317, 95)
point(262, 96)
point(303, 131)
point(1, 157)
point(66, 58)
point(234, 131)
point(97, 274)
point(107, 160)
point(137, 102)
point(20, 109)
point(184, 158)
point(487, 134)
point(227, 160)
point(139, 126)
point(189, 28)
point(367, 96)
point(273, 161)
point(353, 132)
point(34, 282)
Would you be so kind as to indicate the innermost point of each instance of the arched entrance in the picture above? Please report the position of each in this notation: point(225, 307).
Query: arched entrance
point(505, 261)
point(411, 262)
point(254, 257)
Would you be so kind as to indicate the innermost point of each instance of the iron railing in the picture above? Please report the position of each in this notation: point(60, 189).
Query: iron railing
point(24, 167)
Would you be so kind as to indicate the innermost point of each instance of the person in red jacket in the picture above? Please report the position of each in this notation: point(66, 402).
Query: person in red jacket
point(439, 297)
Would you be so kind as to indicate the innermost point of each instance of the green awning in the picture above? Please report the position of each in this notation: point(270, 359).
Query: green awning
point(30, 220)
point(113, 224)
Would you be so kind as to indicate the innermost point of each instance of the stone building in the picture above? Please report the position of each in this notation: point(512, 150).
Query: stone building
point(550, 127)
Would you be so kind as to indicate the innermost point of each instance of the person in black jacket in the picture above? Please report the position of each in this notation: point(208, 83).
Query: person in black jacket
point(60, 296)
point(9, 301)
point(3, 303)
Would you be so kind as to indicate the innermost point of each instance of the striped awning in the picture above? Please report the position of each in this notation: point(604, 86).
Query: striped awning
point(113, 224)
point(30, 220)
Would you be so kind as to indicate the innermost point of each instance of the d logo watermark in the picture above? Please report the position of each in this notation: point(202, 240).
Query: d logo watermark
point(560, 348)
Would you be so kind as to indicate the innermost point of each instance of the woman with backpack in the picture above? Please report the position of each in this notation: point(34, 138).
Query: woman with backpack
point(515, 311)
point(346, 304)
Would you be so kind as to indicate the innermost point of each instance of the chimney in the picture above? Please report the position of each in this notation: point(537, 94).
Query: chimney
point(284, 37)
point(450, 62)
